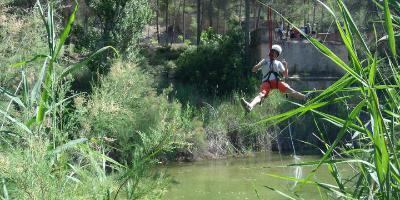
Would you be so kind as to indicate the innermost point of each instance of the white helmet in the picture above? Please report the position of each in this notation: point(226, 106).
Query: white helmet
point(277, 48)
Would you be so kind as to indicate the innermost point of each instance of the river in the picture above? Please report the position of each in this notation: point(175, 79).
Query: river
point(240, 178)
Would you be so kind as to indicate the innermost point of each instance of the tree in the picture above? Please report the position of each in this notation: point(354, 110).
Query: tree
point(183, 21)
point(166, 21)
point(121, 22)
point(258, 16)
point(210, 13)
point(198, 22)
point(157, 21)
point(247, 29)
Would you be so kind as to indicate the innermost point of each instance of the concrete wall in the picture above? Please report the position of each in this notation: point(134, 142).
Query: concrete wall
point(302, 57)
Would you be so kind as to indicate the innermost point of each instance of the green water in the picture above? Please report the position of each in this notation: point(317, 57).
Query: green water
point(240, 178)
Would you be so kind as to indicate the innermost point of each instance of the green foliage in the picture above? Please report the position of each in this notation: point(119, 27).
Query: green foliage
point(231, 130)
point(51, 159)
point(216, 66)
point(127, 109)
point(226, 129)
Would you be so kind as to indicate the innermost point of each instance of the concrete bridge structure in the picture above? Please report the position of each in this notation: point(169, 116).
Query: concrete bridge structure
point(308, 68)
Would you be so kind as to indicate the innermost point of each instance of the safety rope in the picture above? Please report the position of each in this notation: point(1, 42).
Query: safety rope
point(270, 26)
point(298, 170)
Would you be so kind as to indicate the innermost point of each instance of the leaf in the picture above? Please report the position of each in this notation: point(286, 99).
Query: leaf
point(67, 29)
point(333, 161)
point(326, 186)
point(69, 145)
point(25, 94)
point(280, 192)
point(18, 64)
point(16, 122)
point(61, 102)
point(77, 66)
point(354, 28)
point(372, 72)
point(389, 28)
point(12, 97)
point(5, 191)
point(354, 113)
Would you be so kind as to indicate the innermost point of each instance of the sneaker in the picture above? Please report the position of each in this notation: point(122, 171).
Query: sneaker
point(246, 105)
point(310, 94)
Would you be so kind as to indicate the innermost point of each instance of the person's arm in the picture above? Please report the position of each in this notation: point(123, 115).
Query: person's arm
point(257, 66)
point(285, 65)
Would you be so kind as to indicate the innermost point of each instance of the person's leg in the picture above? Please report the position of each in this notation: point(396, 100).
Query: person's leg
point(257, 99)
point(285, 88)
point(264, 90)
point(297, 95)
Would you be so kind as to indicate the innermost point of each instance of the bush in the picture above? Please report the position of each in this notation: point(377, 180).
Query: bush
point(127, 109)
point(217, 66)
point(231, 130)
point(44, 153)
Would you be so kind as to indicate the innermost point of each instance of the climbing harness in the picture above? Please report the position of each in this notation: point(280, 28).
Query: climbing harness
point(277, 75)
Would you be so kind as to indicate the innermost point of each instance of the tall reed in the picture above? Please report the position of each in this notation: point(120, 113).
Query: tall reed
point(43, 155)
point(370, 90)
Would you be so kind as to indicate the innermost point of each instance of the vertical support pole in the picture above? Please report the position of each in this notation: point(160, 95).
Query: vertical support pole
point(270, 26)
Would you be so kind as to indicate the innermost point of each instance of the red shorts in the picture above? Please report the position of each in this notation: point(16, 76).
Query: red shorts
point(267, 86)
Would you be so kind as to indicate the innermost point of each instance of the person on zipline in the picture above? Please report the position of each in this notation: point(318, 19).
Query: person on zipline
point(273, 70)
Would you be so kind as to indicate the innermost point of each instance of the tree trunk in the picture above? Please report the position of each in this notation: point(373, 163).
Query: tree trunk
point(157, 21)
point(322, 25)
point(202, 17)
point(305, 13)
point(225, 18)
point(313, 18)
point(240, 11)
point(210, 13)
point(218, 8)
point(198, 21)
point(166, 21)
point(258, 16)
point(254, 6)
point(171, 40)
point(247, 30)
point(183, 21)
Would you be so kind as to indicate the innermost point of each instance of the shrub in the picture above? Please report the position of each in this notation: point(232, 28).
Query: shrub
point(127, 109)
point(43, 152)
point(231, 130)
point(121, 23)
point(217, 66)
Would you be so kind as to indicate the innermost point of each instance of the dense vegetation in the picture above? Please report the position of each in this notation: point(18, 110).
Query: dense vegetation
point(90, 105)
point(370, 90)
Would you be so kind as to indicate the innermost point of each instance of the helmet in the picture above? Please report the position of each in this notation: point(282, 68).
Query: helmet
point(277, 48)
